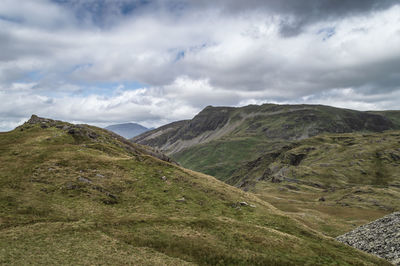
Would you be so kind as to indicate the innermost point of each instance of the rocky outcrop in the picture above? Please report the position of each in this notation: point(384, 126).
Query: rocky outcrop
point(381, 238)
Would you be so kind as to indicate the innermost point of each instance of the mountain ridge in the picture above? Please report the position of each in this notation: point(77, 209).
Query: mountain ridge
point(252, 130)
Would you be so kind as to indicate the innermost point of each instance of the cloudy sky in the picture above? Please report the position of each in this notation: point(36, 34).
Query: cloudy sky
point(153, 62)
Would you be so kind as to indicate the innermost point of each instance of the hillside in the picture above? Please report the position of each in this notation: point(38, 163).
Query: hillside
point(329, 160)
point(332, 182)
point(127, 130)
point(220, 139)
point(77, 194)
point(393, 115)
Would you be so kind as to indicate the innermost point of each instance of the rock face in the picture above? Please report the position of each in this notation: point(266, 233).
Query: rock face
point(381, 238)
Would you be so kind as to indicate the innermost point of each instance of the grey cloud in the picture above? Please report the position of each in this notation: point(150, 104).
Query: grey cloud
point(294, 14)
point(105, 13)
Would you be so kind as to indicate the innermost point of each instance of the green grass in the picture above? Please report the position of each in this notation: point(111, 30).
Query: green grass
point(221, 157)
point(73, 199)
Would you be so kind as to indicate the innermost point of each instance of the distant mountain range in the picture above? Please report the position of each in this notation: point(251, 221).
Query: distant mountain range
point(128, 130)
point(219, 140)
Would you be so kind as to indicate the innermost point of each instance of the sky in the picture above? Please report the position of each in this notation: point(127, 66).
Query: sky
point(152, 62)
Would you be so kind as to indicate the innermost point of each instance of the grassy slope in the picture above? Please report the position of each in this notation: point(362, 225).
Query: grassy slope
point(73, 199)
point(356, 175)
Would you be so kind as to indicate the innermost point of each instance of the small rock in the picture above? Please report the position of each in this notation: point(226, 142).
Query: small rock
point(110, 201)
point(111, 195)
point(276, 179)
point(93, 135)
point(292, 187)
point(163, 178)
point(181, 200)
point(100, 175)
point(243, 203)
point(85, 180)
point(70, 186)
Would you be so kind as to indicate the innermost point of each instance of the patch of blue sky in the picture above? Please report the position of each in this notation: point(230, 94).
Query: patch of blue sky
point(107, 89)
point(181, 53)
point(179, 56)
point(327, 33)
point(35, 75)
point(31, 76)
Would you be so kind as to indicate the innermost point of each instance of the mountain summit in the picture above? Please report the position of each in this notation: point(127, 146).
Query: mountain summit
point(127, 130)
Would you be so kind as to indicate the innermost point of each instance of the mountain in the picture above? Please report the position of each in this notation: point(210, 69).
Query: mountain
point(77, 194)
point(219, 140)
point(127, 130)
